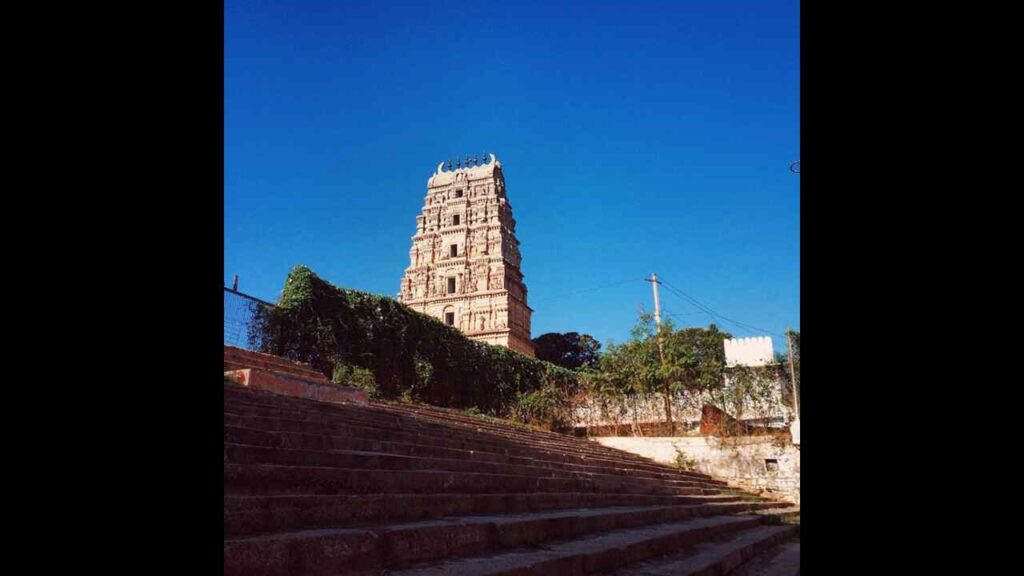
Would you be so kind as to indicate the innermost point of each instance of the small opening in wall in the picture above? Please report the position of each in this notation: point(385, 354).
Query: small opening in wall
point(771, 465)
point(449, 318)
point(458, 193)
point(455, 220)
point(451, 286)
point(454, 250)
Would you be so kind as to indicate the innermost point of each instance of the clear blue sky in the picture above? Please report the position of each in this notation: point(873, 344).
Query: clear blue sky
point(636, 137)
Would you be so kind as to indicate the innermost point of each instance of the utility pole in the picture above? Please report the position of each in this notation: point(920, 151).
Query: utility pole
point(792, 373)
point(661, 353)
point(795, 428)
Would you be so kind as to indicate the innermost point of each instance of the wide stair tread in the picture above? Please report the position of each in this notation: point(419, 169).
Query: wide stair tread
point(315, 488)
point(435, 416)
point(591, 554)
point(360, 459)
point(236, 434)
point(276, 514)
point(418, 541)
point(360, 417)
point(270, 478)
point(782, 560)
point(253, 515)
point(720, 556)
point(326, 434)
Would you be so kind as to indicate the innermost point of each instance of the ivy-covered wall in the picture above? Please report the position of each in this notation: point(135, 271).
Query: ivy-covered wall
point(381, 344)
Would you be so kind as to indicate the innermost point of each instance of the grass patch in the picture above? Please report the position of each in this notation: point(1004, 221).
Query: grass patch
point(682, 461)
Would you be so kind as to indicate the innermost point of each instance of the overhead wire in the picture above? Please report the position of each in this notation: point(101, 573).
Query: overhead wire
point(585, 290)
point(707, 309)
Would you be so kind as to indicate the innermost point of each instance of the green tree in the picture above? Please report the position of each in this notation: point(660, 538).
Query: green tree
point(570, 350)
point(695, 359)
point(668, 360)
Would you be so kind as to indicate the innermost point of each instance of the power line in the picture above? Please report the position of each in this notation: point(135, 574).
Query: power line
point(585, 290)
point(701, 309)
point(681, 314)
point(711, 312)
point(705, 312)
point(666, 312)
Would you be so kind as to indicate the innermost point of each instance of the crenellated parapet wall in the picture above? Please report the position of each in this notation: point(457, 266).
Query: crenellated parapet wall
point(755, 351)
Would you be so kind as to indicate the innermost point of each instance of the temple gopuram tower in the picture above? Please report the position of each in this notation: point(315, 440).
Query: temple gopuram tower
point(465, 257)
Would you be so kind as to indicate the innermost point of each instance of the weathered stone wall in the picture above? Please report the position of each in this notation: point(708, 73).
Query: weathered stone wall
point(686, 409)
point(741, 461)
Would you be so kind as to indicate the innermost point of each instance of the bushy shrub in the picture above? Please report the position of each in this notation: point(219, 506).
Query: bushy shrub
point(350, 335)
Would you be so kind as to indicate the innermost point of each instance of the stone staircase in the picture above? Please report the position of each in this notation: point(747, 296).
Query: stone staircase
point(379, 488)
point(240, 358)
point(283, 376)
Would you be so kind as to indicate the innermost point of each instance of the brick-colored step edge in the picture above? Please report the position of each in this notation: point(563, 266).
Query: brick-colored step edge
point(268, 367)
point(242, 354)
point(238, 358)
point(713, 558)
point(299, 387)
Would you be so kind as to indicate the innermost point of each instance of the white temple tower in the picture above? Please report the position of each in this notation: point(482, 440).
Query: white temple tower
point(464, 261)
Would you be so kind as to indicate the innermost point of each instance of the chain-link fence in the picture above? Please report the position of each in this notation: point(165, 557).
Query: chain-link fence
point(239, 310)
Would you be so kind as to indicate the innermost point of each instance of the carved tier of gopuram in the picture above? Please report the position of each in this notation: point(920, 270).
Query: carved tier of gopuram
point(465, 256)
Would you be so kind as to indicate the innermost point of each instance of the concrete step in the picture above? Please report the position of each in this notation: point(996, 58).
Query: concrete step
point(591, 554)
point(319, 421)
point(292, 479)
point(712, 558)
point(781, 510)
point(430, 541)
point(405, 544)
point(412, 435)
point(563, 442)
point(252, 515)
point(315, 488)
point(381, 414)
point(371, 417)
point(309, 553)
point(319, 435)
point(247, 454)
point(781, 560)
point(307, 441)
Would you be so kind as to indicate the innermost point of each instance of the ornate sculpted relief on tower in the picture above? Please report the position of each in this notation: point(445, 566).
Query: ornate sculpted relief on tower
point(465, 256)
